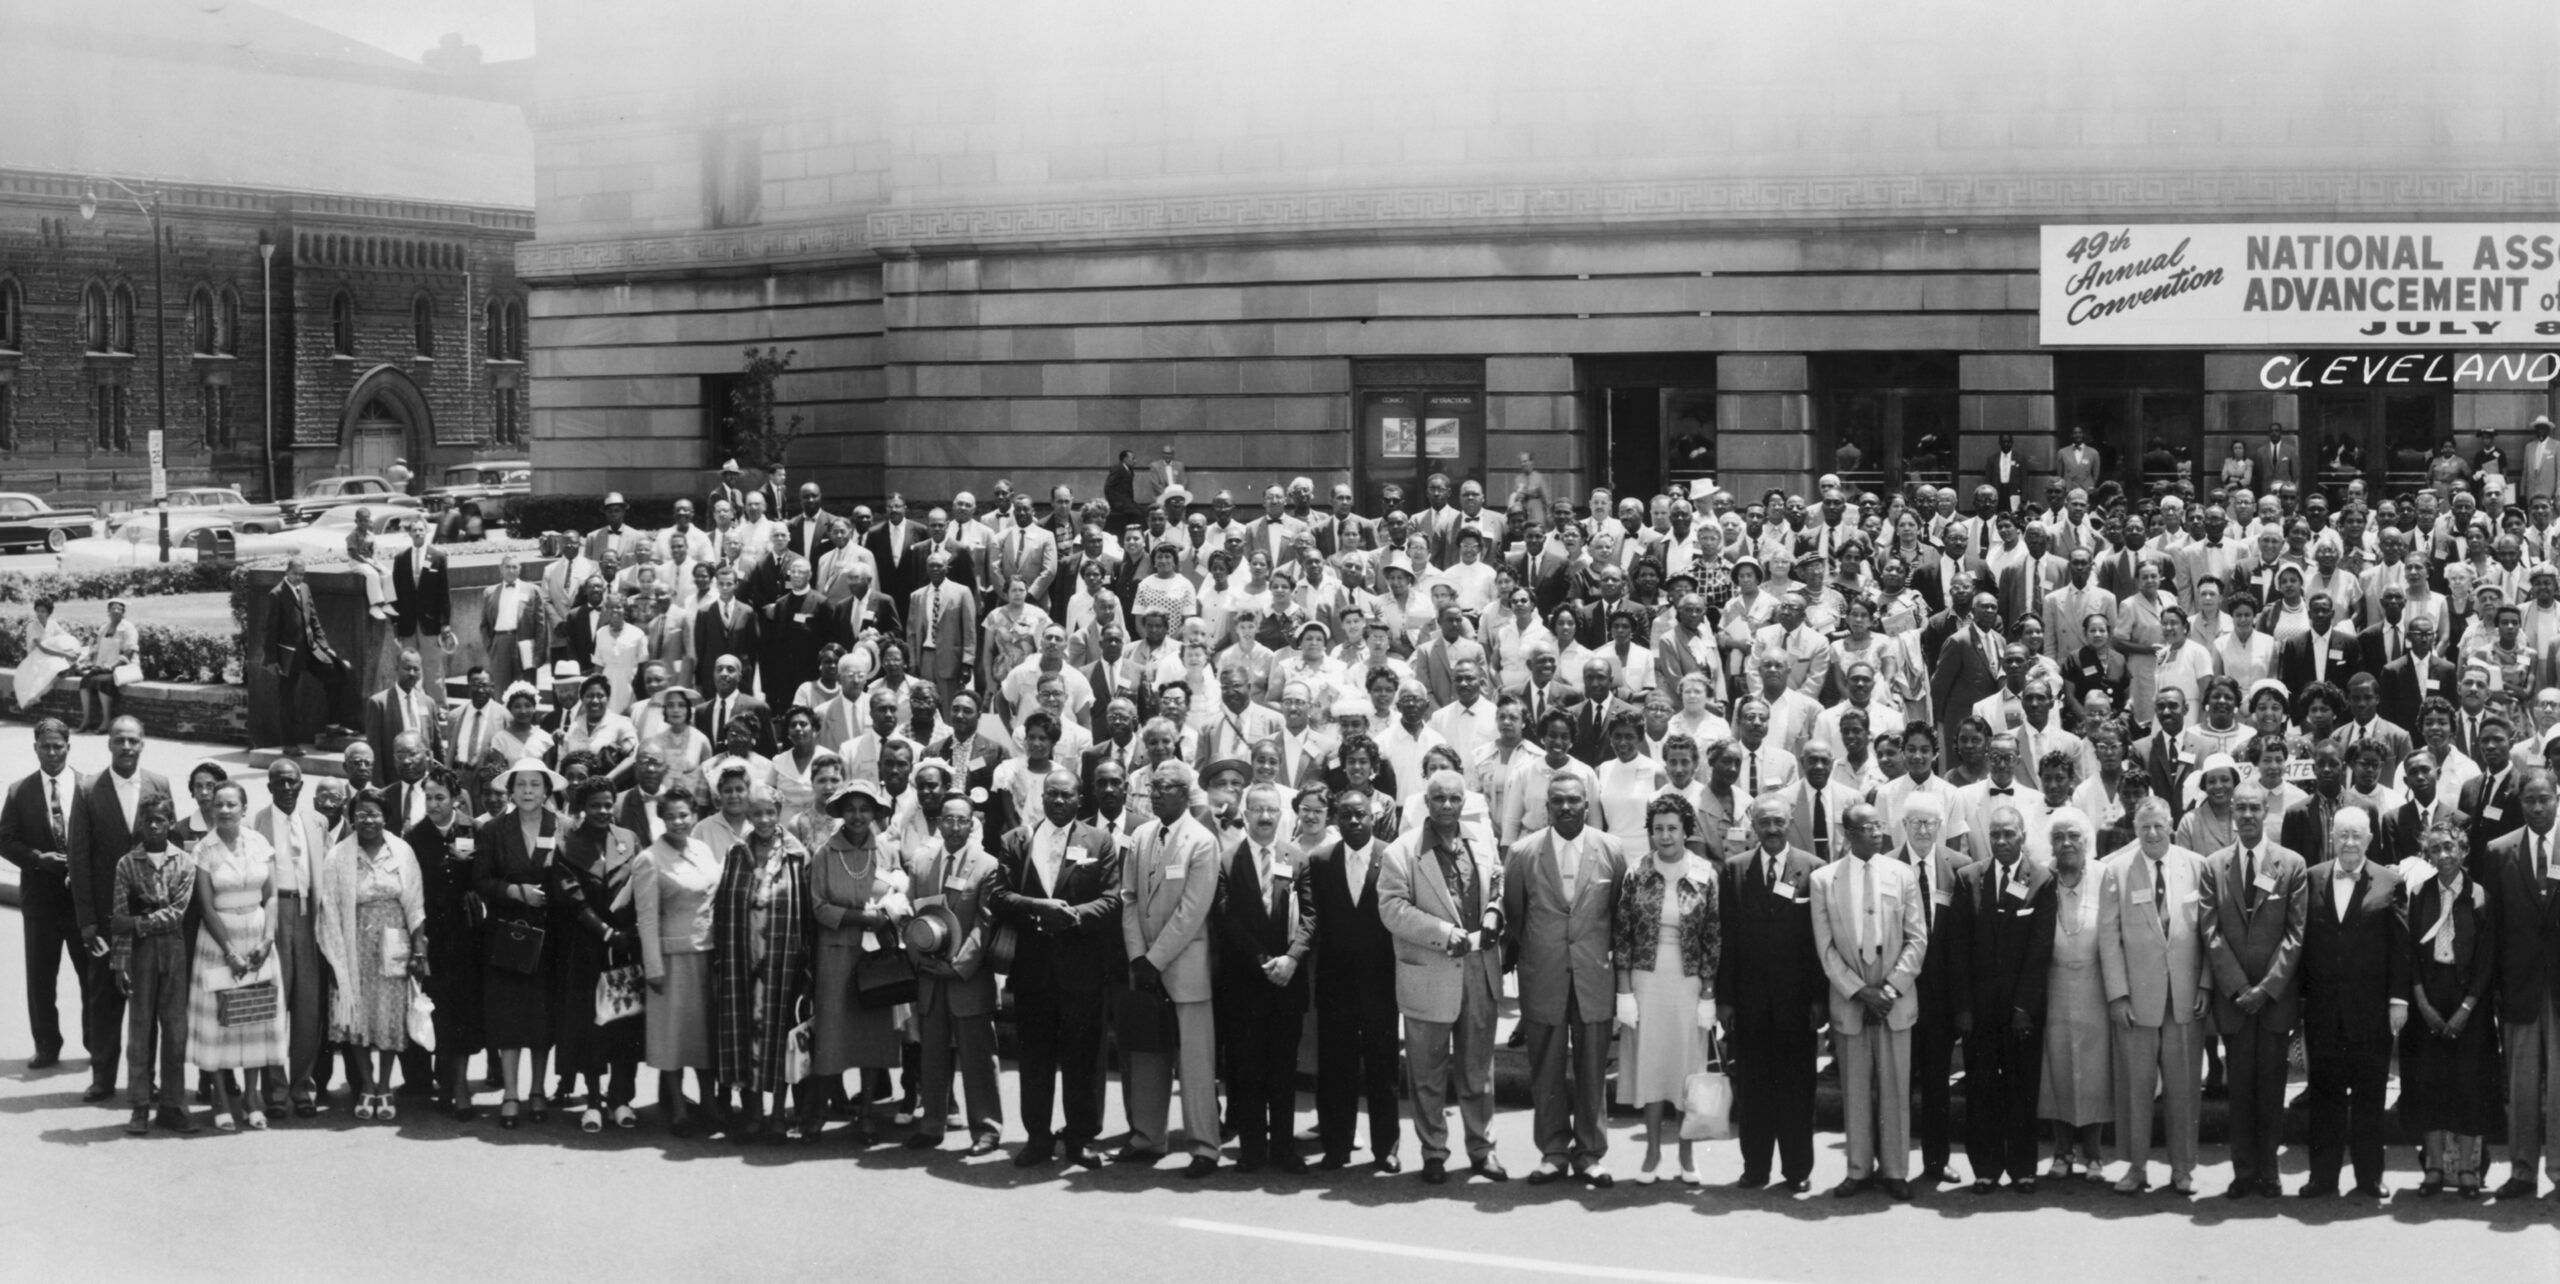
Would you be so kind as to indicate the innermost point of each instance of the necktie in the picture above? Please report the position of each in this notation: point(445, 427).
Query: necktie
point(1769, 870)
point(53, 804)
point(1755, 773)
point(1928, 900)
point(933, 613)
point(2248, 878)
point(1821, 828)
point(2541, 861)
point(2159, 889)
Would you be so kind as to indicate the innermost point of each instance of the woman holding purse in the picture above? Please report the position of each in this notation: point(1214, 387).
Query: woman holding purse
point(857, 887)
point(1667, 917)
point(236, 950)
point(511, 871)
point(597, 928)
point(372, 927)
point(671, 888)
point(444, 844)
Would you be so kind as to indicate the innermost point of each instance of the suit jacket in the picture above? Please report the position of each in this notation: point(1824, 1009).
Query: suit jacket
point(2401, 698)
point(2168, 769)
point(705, 718)
point(2279, 462)
point(967, 883)
point(1169, 886)
point(2402, 834)
point(385, 718)
point(2528, 923)
point(2305, 830)
point(1035, 562)
point(799, 529)
point(2293, 659)
point(955, 635)
point(1798, 796)
point(533, 616)
point(2000, 946)
point(2253, 935)
point(902, 572)
point(2495, 813)
point(1939, 999)
point(2156, 960)
point(2395, 741)
point(26, 828)
point(2353, 967)
point(422, 599)
point(1083, 955)
point(1770, 970)
point(731, 628)
point(1257, 923)
point(1962, 676)
point(1591, 728)
point(1562, 946)
point(1355, 956)
point(1902, 942)
point(100, 838)
point(1424, 913)
point(626, 544)
point(297, 643)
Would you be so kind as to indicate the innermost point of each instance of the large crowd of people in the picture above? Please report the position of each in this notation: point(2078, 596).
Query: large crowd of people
point(2096, 803)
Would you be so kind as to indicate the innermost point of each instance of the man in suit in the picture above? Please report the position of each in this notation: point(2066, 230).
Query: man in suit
point(2000, 929)
point(2355, 997)
point(2491, 799)
point(298, 648)
point(626, 543)
point(731, 490)
point(942, 628)
point(955, 1006)
point(2073, 602)
point(1559, 889)
point(1815, 802)
point(298, 835)
point(1120, 492)
point(726, 700)
point(1770, 992)
point(1934, 867)
point(1968, 666)
point(2077, 463)
point(2325, 653)
point(2523, 895)
point(1025, 551)
point(1357, 1041)
point(2418, 674)
point(40, 830)
point(812, 530)
point(728, 626)
point(1264, 937)
point(2308, 824)
point(1440, 893)
point(2254, 898)
point(2151, 956)
point(406, 705)
point(1598, 707)
point(1168, 887)
point(2364, 722)
point(2279, 460)
point(1868, 928)
point(898, 546)
point(422, 604)
point(1062, 894)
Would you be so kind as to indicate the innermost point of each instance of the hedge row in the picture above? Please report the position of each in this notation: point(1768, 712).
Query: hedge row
point(155, 580)
point(167, 654)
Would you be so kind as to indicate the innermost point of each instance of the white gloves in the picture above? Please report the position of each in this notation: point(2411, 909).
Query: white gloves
point(1706, 1014)
point(1627, 1010)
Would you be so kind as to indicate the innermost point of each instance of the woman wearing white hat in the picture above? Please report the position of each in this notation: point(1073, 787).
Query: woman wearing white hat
point(857, 887)
point(511, 871)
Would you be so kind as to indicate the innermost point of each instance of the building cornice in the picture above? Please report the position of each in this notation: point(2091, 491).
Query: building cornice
point(731, 251)
point(261, 203)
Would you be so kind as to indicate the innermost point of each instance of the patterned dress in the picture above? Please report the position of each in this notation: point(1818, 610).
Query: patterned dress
point(236, 877)
point(760, 961)
point(381, 1008)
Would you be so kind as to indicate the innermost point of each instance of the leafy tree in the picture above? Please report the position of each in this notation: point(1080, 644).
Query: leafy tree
point(752, 435)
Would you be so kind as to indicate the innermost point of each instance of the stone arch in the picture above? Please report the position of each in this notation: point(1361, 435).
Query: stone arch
point(385, 418)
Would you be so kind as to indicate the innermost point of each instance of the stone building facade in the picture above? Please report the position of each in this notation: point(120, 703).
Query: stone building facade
point(1755, 244)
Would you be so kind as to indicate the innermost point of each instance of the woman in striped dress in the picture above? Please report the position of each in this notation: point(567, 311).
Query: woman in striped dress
point(760, 965)
point(235, 885)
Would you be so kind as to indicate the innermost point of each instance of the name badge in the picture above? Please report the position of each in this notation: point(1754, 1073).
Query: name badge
point(1079, 856)
point(547, 841)
point(2492, 812)
point(1785, 890)
point(1942, 896)
point(954, 885)
point(2552, 874)
point(2336, 656)
point(464, 844)
point(2266, 883)
point(1733, 837)
point(1175, 872)
point(2014, 889)
point(2022, 911)
point(2188, 757)
point(1283, 871)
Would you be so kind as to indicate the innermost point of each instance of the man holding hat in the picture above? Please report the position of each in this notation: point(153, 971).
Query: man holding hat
point(955, 888)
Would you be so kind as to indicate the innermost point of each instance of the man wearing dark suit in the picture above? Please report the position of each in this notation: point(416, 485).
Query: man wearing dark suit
point(1264, 937)
point(2355, 997)
point(105, 831)
point(2404, 830)
point(407, 705)
point(1968, 666)
point(898, 548)
point(942, 628)
point(955, 1006)
point(2255, 898)
point(974, 759)
point(1592, 715)
point(2308, 824)
point(1120, 491)
point(726, 700)
point(2522, 894)
point(40, 826)
point(1357, 1034)
point(2000, 930)
point(422, 603)
point(727, 626)
point(731, 490)
point(1940, 987)
point(2490, 799)
point(1061, 893)
point(2279, 460)
point(813, 532)
point(1559, 892)
point(1770, 998)
point(297, 648)
point(2403, 693)
point(2325, 653)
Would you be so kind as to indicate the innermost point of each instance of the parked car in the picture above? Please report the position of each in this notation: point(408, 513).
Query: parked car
point(138, 544)
point(317, 497)
point(28, 522)
point(325, 536)
point(208, 501)
point(493, 484)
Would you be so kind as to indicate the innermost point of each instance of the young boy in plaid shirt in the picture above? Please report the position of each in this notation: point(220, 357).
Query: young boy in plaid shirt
point(154, 882)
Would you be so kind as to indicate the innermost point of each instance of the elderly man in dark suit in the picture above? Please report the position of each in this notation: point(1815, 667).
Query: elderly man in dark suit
point(422, 606)
point(2420, 672)
point(298, 648)
point(2518, 872)
point(106, 831)
point(1999, 926)
point(2254, 897)
point(1770, 998)
point(1061, 893)
point(1935, 866)
point(2355, 998)
point(1559, 889)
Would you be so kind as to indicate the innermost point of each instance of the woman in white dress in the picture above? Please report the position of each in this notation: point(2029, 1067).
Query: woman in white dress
point(1628, 782)
point(2078, 1089)
point(235, 885)
point(1165, 590)
point(620, 648)
point(671, 888)
point(53, 652)
point(2184, 662)
point(1665, 932)
point(1510, 636)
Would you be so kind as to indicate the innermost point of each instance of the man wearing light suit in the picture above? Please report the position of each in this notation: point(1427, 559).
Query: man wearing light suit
point(1024, 550)
point(1434, 893)
point(2254, 897)
point(942, 629)
point(1168, 886)
point(2151, 954)
point(406, 706)
point(1868, 928)
point(2541, 464)
point(1559, 890)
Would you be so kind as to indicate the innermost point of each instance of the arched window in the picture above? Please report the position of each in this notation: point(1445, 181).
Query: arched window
point(506, 329)
point(120, 319)
point(493, 343)
point(226, 322)
point(422, 323)
point(200, 322)
point(342, 324)
point(93, 317)
point(515, 329)
point(13, 310)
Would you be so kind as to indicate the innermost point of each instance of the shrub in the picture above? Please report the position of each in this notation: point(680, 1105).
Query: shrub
point(166, 654)
point(155, 580)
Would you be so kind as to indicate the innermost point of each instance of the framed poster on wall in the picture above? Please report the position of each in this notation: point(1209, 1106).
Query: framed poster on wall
point(1440, 436)
point(1396, 437)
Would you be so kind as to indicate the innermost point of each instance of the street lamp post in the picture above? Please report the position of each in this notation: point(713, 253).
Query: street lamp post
point(150, 206)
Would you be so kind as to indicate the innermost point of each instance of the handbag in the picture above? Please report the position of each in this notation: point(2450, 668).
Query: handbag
point(884, 978)
point(422, 1021)
point(127, 674)
point(798, 1049)
point(251, 1004)
point(1706, 1098)
point(618, 994)
point(1144, 1021)
point(515, 947)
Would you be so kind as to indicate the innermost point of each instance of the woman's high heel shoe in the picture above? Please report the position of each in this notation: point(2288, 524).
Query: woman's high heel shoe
point(538, 1109)
point(509, 1115)
point(364, 1107)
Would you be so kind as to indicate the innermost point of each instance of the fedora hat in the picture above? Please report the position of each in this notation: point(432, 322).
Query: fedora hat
point(931, 933)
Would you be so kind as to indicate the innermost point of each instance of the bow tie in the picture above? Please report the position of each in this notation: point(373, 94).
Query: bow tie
point(2344, 876)
point(1998, 792)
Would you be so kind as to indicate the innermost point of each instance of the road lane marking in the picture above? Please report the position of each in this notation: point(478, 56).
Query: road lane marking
point(1539, 1265)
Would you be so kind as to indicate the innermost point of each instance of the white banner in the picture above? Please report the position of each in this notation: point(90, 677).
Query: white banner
point(2299, 284)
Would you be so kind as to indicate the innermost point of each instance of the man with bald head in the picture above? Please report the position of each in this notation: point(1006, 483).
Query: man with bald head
point(1061, 893)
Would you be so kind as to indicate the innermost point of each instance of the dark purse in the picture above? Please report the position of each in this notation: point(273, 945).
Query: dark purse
point(515, 947)
point(1144, 1020)
point(884, 978)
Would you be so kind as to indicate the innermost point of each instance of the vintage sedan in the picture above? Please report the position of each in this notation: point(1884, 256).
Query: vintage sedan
point(490, 483)
point(213, 501)
point(28, 522)
point(367, 490)
point(138, 543)
point(324, 538)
